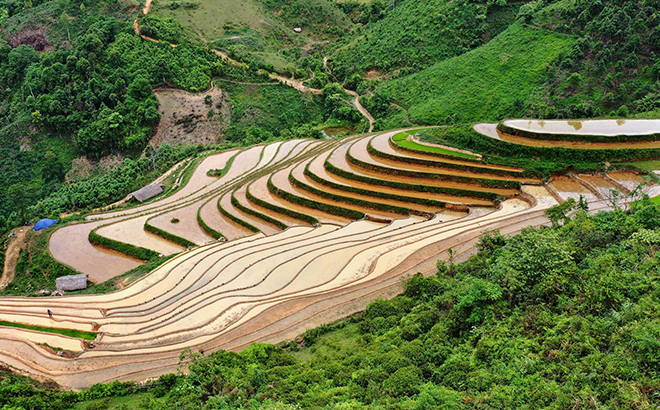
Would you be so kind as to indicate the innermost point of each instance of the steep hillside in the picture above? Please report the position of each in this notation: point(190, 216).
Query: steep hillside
point(417, 34)
point(491, 82)
point(260, 32)
point(556, 318)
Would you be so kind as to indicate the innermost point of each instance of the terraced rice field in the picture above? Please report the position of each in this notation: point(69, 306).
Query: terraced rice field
point(588, 127)
point(490, 130)
point(309, 232)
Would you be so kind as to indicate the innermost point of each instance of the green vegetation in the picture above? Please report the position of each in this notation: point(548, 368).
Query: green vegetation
point(321, 206)
point(417, 34)
point(132, 401)
point(554, 318)
point(122, 247)
point(127, 278)
point(111, 186)
point(576, 137)
point(322, 18)
point(257, 214)
point(261, 112)
point(483, 84)
point(493, 183)
point(402, 140)
point(284, 211)
point(377, 194)
point(611, 69)
point(347, 199)
point(210, 231)
point(410, 187)
point(236, 219)
point(168, 236)
point(66, 332)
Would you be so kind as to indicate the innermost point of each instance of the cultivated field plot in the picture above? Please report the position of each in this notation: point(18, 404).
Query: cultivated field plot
point(291, 235)
point(592, 134)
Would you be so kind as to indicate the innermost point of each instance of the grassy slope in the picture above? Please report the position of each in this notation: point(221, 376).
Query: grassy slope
point(482, 84)
point(211, 16)
point(59, 331)
point(259, 29)
point(401, 139)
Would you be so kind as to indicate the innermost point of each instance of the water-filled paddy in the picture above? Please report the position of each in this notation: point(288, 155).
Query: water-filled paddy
point(608, 128)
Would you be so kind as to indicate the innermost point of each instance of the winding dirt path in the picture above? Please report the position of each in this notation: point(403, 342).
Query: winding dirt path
point(361, 109)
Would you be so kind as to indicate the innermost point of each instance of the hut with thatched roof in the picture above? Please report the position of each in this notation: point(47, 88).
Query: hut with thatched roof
point(147, 192)
point(71, 282)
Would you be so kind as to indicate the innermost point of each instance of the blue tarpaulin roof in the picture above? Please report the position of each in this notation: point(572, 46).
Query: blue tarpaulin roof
point(44, 223)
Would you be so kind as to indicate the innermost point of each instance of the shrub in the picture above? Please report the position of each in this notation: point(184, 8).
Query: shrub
point(404, 382)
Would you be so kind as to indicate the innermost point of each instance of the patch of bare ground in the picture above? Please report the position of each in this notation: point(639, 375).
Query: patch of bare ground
point(35, 37)
point(82, 168)
point(373, 74)
point(191, 119)
point(15, 243)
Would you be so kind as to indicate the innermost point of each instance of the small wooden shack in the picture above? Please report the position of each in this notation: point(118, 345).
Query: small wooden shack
point(297, 30)
point(71, 282)
point(147, 192)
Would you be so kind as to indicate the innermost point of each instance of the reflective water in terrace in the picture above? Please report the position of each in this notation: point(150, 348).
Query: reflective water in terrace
point(588, 127)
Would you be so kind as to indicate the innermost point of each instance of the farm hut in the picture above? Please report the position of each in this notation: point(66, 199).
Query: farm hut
point(297, 30)
point(71, 282)
point(147, 192)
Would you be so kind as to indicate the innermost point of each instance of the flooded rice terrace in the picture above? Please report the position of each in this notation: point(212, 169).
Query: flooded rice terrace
point(588, 127)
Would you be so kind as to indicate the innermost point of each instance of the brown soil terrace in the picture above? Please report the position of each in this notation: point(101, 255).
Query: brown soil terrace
point(256, 287)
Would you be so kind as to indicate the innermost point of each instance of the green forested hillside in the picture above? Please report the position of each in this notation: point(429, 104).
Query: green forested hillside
point(558, 318)
point(612, 69)
point(489, 83)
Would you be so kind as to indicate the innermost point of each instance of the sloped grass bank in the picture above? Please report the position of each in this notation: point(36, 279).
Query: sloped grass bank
point(483, 84)
point(78, 334)
point(36, 269)
point(401, 139)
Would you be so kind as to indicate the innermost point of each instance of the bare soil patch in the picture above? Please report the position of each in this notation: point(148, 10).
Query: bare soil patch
point(34, 37)
point(16, 243)
point(191, 118)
